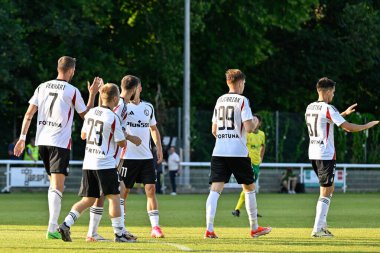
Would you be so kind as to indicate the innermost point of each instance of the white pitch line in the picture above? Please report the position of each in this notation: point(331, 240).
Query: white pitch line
point(179, 246)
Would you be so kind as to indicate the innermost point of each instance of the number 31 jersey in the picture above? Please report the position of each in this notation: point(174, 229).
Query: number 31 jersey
point(103, 131)
point(231, 110)
point(56, 101)
point(320, 119)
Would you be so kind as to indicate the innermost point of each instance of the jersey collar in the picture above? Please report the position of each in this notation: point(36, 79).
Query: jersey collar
point(106, 107)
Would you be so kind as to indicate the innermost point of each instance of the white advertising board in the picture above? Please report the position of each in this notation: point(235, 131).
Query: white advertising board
point(29, 177)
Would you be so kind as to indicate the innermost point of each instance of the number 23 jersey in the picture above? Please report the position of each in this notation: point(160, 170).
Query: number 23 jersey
point(103, 131)
point(320, 119)
point(231, 110)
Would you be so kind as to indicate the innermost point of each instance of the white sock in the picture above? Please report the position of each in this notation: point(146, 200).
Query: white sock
point(321, 213)
point(122, 212)
point(54, 200)
point(324, 222)
point(95, 217)
point(117, 225)
point(71, 218)
point(154, 217)
point(251, 207)
point(211, 204)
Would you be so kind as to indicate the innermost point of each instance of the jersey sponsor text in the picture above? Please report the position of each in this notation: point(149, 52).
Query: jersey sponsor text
point(230, 111)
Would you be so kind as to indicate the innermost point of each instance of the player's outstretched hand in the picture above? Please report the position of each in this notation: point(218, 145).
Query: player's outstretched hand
point(372, 123)
point(95, 86)
point(350, 109)
point(19, 147)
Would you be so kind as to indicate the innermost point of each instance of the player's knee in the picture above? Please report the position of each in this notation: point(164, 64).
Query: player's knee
point(87, 202)
point(217, 187)
point(99, 202)
point(57, 181)
point(124, 194)
point(248, 187)
point(150, 190)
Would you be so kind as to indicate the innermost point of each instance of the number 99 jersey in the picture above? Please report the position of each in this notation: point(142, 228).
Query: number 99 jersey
point(231, 110)
point(320, 118)
point(103, 131)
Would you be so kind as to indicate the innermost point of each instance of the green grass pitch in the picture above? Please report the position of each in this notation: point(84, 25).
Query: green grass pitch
point(353, 218)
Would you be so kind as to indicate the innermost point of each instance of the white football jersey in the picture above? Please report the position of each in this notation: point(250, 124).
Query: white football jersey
point(320, 119)
point(121, 111)
point(139, 120)
point(56, 101)
point(231, 110)
point(103, 131)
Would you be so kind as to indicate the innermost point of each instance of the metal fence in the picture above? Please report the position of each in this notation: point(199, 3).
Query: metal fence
point(354, 177)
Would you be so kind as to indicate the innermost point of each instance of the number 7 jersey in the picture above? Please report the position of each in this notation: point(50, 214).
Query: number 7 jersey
point(320, 119)
point(231, 110)
point(56, 101)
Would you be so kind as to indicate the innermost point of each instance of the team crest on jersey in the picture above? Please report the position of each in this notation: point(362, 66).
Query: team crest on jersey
point(146, 112)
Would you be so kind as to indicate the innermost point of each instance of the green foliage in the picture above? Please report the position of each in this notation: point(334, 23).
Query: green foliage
point(282, 46)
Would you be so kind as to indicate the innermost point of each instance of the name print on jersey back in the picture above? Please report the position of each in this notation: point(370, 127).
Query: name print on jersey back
point(231, 110)
point(103, 131)
point(56, 101)
point(320, 118)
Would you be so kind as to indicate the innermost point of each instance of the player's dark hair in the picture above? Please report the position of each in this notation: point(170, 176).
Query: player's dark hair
point(325, 83)
point(109, 91)
point(65, 63)
point(129, 82)
point(258, 117)
point(234, 75)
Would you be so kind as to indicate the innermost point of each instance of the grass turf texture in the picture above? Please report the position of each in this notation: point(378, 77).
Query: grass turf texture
point(353, 218)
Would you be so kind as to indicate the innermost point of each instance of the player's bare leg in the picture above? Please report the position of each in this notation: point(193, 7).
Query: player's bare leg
point(152, 209)
point(251, 207)
point(55, 192)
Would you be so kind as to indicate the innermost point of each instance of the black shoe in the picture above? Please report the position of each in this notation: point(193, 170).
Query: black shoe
point(236, 213)
point(124, 238)
point(64, 230)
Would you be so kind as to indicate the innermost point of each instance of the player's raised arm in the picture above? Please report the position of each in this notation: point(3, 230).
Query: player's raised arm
point(351, 127)
point(93, 89)
point(20, 145)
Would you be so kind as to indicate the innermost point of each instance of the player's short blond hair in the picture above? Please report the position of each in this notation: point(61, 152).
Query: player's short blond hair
point(109, 91)
point(233, 76)
point(65, 63)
